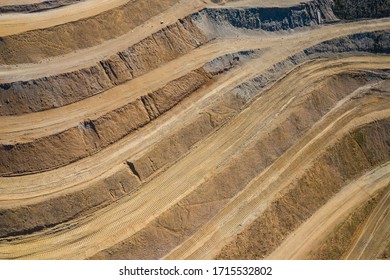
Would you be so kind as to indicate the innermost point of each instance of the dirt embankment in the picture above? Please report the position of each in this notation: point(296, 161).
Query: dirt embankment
point(185, 218)
point(35, 45)
point(125, 181)
point(338, 242)
point(138, 170)
point(51, 92)
point(170, 149)
point(355, 9)
point(92, 136)
point(267, 19)
point(26, 220)
point(355, 154)
point(56, 91)
point(37, 7)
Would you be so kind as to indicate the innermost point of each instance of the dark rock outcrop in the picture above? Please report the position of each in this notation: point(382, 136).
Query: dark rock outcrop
point(355, 9)
point(274, 18)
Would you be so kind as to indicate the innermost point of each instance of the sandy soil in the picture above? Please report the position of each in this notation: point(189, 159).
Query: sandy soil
point(262, 190)
point(166, 190)
point(375, 233)
point(107, 101)
point(210, 166)
point(301, 242)
point(17, 23)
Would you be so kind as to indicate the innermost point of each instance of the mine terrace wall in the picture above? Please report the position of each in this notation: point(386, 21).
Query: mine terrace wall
point(89, 138)
point(37, 7)
point(356, 9)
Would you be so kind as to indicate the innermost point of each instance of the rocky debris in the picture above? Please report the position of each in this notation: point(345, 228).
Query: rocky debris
point(226, 62)
point(356, 9)
point(270, 19)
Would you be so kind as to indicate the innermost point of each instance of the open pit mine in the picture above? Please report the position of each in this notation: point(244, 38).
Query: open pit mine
point(191, 129)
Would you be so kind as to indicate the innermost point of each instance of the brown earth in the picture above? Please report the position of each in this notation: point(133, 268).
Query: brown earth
point(338, 242)
point(34, 45)
point(322, 181)
point(177, 129)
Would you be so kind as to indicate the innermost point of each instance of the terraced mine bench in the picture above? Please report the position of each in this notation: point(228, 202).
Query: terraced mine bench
point(183, 129)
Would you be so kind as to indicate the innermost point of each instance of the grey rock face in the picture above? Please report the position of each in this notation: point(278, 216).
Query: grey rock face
point(355, 9)
point(273, 19)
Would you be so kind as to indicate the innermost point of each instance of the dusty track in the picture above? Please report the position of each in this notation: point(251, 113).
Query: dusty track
point(40, 185)
point(168, 186)
point(89, 56)
point(262, 190)
point(18, 23)
point(300, 97)
point(301, 242)
point(369, 244)
point(12, 127)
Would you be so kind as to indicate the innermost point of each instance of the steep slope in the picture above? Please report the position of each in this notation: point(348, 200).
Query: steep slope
point(182, 129)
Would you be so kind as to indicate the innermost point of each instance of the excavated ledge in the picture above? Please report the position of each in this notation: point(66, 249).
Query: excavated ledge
point(371, 42)
point(50, 213)
point(37, 7)
point(268, 19)
point(356, 9)
point(33, 46)
point(93, 135)
point(337, 243)
point(97, 195)
point(55, 91)
point(210, 197)
point(169, 43)
point(45, 93)
point(348, 159)
point(170, 150)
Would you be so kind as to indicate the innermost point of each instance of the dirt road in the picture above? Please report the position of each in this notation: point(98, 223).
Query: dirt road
point(375, 233)
point(310, 234)
point(131, 213)
point(325, 97)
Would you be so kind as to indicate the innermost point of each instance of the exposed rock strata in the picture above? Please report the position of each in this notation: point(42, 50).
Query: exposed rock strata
point(185, 218)
point(56, 91)
point(355, 9)
point(269, 19)
point(34, 45)
point(93, 135)
point(347, 160)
